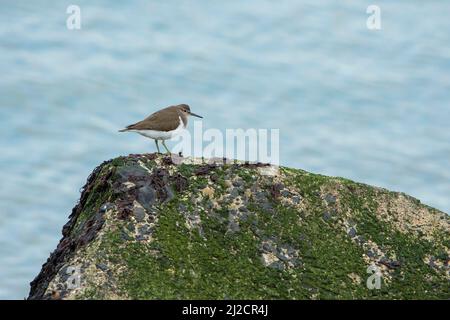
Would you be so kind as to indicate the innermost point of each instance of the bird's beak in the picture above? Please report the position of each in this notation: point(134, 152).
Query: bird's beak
point(195, 115)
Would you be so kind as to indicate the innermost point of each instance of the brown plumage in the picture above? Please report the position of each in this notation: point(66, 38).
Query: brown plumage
point(163, 124)
point(166, 119)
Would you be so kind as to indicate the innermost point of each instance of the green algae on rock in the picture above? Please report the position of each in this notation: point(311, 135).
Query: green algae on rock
point(148, 228)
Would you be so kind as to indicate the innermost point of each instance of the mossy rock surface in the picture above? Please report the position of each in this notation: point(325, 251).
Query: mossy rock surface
point(155, 227)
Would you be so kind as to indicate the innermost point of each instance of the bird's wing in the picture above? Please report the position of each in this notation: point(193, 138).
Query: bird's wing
point(159, 121)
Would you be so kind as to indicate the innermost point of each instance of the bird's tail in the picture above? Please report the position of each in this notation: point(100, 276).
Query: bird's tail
point(123, 130)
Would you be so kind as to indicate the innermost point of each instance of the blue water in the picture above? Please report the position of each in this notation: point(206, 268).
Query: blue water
point(373, 106)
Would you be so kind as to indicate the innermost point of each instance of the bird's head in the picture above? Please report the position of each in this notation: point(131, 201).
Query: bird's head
point(186, 110)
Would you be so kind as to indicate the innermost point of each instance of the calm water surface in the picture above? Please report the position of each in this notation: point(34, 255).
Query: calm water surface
point(370, 106)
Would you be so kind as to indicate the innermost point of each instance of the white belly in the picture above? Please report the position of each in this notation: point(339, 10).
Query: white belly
point(161, 135)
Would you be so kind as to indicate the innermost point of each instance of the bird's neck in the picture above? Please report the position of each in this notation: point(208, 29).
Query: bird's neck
point(184, 119)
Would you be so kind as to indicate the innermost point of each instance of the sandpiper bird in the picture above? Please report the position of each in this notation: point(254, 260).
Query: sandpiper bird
point(163, 124)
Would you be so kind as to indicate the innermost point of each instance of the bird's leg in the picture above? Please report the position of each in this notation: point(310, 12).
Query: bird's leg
point(164, 144)
point(157, 146)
